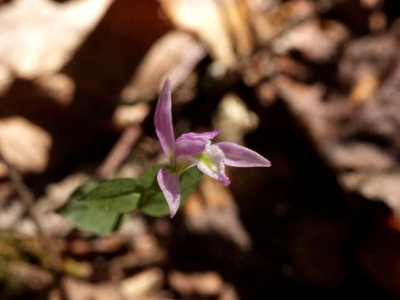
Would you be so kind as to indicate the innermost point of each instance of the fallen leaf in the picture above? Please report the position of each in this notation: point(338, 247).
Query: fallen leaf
point(34, 48)
point(24, 144)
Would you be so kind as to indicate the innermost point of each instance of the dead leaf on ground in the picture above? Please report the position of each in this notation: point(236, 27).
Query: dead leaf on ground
point(174, 55)
point(205, 20)
point(205, 284)
point(317, 40)
point(142, 284)
point(34, 48)
point(24, 144)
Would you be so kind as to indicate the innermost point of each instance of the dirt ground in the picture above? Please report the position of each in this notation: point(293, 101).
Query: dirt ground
point(313, 85)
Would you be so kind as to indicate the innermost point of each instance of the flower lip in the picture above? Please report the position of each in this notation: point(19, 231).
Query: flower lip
point(212, 162)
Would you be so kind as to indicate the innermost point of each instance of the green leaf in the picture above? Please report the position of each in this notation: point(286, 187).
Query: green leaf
point(84, 217)
point(189, 180)
point(153, 202)
point(148, 178)
point(84, 189)
point(116, 195)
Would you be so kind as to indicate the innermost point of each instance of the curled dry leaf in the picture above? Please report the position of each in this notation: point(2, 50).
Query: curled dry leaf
point(176, 54)
point(214, 209)
point(32, 49)
point(143, 284)
point(81, 290)
point(59, 87)
point(376, 187)
point(205, 20)
point(206, 283)
point(317, 40)
point(234, 119)
point(24, 144)
point(271, 22)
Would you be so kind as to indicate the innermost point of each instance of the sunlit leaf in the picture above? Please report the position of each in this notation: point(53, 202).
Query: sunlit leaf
point(84, 217)
point(116, 195)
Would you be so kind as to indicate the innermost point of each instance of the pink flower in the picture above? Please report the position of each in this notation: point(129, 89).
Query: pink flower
point(194, 149)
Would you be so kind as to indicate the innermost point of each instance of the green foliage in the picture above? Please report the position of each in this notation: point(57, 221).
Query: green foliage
point(116, 195)
point(85, 215)
point(99, 206)
point(153, 202)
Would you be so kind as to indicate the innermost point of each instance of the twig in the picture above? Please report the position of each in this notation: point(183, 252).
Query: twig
point(28, 199)
point(120, 151)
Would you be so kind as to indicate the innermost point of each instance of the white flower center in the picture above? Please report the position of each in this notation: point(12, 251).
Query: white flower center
point(211, 162)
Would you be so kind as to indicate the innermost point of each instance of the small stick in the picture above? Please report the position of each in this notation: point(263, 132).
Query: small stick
point(28, 199)
point(119, 152)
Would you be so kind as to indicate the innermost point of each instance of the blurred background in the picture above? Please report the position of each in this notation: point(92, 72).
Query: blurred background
point(313, 85)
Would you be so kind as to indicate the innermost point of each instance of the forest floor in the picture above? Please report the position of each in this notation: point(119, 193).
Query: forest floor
point(314, 86)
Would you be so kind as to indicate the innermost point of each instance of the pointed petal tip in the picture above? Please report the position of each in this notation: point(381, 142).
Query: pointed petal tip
point(215, 132)
point(266, 163)
point(239, 156)
point(172, 214)
point(166, 84)
point(163, 119)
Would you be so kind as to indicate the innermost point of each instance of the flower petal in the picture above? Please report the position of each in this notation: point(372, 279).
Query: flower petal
point(169, 185)
point(239, 156)
point(209, 135)
point(193, 143)
point(211, 162)
point(163, 119)
point(189, 147)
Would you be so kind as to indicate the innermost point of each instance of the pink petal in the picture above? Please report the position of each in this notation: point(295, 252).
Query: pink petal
point(189, 147)
point(193, 143)
point(239, 156)
point(163, 119)
point(169, 185)
point(209, 135)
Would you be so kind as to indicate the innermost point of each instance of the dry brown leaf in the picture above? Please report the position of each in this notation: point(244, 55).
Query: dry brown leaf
point(360, 157)
point(317, 40)
point(214, 208)
point(234, 119)
point(174, 55)
point(145, 283)
point(80, 290)
point(305, 101)
point(271, 21)
point(130, 115)
point(257, 67)
point(382, 186)
point(30, 276)
point(369, 56)
point(363, 89)
point(24, 144)
point(238, 24)
point(206, 283)
point(30, 43)
point(205, 20)
point(59, 87)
